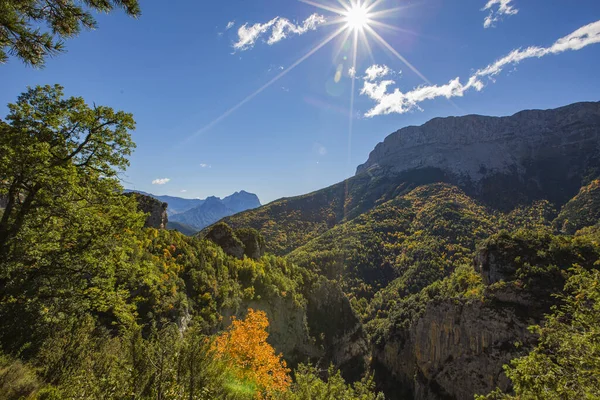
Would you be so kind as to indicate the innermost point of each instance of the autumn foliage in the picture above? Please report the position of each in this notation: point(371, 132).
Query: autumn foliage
point(244, 347)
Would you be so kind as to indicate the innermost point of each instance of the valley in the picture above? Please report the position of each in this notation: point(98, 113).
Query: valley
point(445, 244)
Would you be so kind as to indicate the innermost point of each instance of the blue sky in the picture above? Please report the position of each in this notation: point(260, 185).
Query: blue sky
point(179, 70)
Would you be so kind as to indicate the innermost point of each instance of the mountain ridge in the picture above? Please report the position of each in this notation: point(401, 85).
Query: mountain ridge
point(212, 209)
point(477, 145)
point(191, 215)
point(555, 175)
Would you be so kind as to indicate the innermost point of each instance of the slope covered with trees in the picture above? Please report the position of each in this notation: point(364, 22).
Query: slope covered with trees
point(434, 265)
point(406, 276)
point(94, 305)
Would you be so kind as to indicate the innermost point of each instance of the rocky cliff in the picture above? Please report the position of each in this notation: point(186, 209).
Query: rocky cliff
point(155, 209)
point(456, 347)
point(325, 330)
point(537, 149)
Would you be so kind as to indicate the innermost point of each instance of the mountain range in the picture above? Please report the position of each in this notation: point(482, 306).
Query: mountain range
point(461, 261)
point(191, 215)
point(449, 242)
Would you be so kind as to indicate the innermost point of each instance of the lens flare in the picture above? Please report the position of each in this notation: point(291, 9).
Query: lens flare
point(358, 20)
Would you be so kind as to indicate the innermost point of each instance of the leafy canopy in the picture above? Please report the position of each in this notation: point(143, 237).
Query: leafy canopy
point(64, 222)
point(19, 20)
point(565, 364)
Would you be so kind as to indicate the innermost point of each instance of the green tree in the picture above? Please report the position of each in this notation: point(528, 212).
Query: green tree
point(308, 385)
point(65, 224)
point(21, 36)
point(565, 365)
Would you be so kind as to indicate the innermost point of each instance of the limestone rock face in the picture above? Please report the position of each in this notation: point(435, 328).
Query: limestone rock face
point(503, 161)
point(288, 330)
point(493, 268)
point(156, 210)
point(254, 243)
point(223, 235)
point(476, 146)
point(338, 329)
point(457, 349)
point(325, 331)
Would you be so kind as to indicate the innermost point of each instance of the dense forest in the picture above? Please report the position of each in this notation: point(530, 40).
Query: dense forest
point(94, 305)
point(405, 285)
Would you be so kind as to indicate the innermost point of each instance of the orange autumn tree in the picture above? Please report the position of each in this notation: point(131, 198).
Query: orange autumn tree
point(244, 347)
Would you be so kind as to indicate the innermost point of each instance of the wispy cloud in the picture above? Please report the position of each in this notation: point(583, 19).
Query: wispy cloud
point(230, 25)
point(400, 102)
point(376, 71)
point(275, 68)
point(183, 191)
point(497, 9)
point(203, 165)
point(161, 181)
point(279, 28)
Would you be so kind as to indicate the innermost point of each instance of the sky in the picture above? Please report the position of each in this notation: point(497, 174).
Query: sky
point(273, 97)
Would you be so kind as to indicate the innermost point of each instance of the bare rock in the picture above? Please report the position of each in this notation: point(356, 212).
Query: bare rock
point(531, 155)
point(254, 243)
point(156, 210)
point(222, 235)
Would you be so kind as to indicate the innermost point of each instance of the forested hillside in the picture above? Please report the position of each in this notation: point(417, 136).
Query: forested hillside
point(94, 305)
point(462, 261)
point(447, 272)
point(421, 283)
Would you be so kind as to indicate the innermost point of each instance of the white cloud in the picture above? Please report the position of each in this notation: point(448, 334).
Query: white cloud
point(375, 72)
point(399, 102)
point(183, 191)
point(497, 9)
point(352, 72)
point(280, 29)
point(274, 67)
point(230, 25)
point(203, 165)
point(161, 181)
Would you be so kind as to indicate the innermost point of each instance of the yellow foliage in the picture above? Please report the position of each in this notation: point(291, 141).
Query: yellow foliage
point(244, 346)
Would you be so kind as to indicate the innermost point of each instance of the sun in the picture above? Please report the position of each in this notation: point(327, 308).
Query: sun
point(357, 17)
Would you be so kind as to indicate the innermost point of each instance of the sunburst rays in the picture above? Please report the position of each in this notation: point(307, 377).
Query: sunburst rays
point(358, 19)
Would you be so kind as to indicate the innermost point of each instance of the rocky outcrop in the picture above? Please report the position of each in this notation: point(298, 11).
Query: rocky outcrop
point(325, 331)
point(156, 210)
point(534, 151)
point(239, 243)
point(456, 347)
point(288, 329)
point(254, 243)
point(337, 328)
point(222, 235)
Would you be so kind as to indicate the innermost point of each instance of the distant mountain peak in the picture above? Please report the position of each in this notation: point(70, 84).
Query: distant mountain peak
point(213, 208)
point(198, 213)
